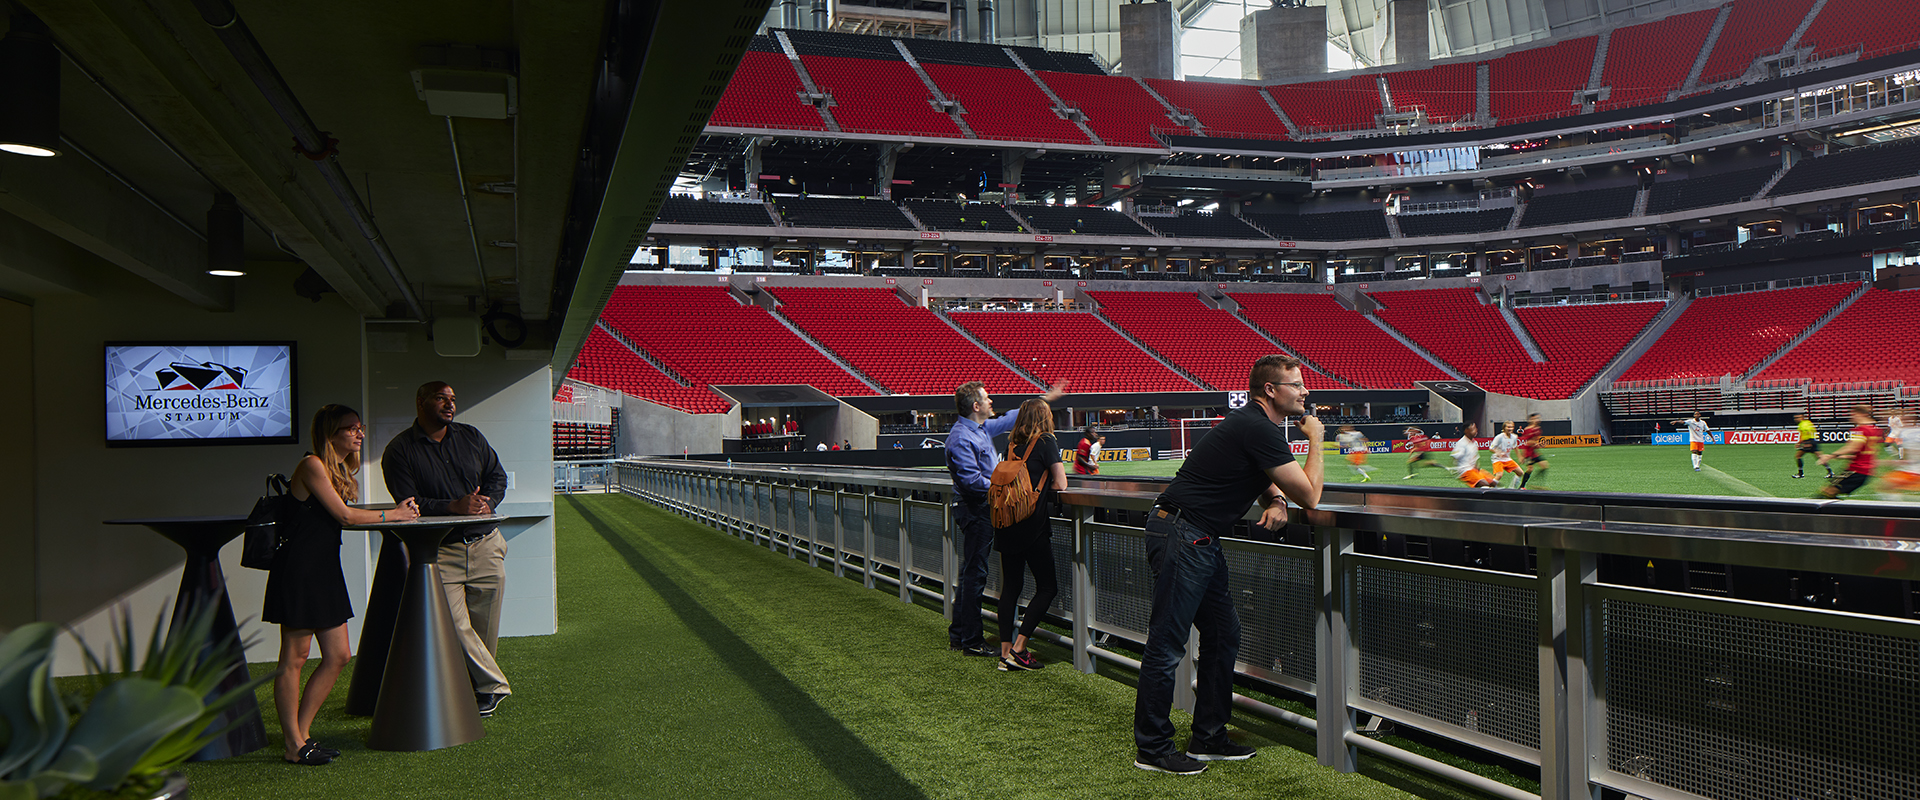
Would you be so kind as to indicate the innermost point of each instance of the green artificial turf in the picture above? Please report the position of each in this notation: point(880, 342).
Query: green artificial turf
point(691, 664)
point(1747, 470)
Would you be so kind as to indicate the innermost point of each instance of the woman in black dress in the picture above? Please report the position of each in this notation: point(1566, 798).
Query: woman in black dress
point(1028, 544)
point(306, 591)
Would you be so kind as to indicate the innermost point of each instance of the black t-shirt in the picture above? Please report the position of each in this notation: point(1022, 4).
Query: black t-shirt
point(1046, 453)
point(1227, 471)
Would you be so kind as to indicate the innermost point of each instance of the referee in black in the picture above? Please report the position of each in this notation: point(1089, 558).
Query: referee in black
point(1242, 460)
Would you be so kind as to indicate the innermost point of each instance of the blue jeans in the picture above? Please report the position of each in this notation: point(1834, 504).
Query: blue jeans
point(974, 524)
point(1189, 591)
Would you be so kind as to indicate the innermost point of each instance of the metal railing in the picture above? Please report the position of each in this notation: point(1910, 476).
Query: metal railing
point(1527, 653)
point(572, 477)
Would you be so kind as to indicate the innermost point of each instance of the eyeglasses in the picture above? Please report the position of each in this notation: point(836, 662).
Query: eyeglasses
point(356, 429)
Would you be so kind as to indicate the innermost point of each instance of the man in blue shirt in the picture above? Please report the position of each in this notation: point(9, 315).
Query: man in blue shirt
point(970, 460)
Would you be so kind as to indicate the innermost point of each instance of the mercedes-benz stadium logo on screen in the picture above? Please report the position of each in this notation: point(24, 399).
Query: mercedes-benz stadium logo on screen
point(205, 376)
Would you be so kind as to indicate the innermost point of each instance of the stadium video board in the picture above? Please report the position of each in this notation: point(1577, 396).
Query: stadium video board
point(197, 393)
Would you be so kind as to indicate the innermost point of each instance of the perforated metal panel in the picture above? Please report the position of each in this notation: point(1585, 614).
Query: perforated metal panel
point(886, 531)
point(762, 505)
point(1273, 593)
point(1731, 707)
point(823, 517)
point(852, 524)
point(1457, 650)
point(801, 507)
point(782, 497)
point(1122, 583)
point(925, 525)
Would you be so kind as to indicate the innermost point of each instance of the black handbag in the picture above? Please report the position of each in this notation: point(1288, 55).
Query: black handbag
point(266, 525)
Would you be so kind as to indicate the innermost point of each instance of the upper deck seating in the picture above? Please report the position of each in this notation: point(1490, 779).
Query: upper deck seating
point(1756, 28)
point(680, 209)
point(1331, 106)
point(1340, 340)
point(1729, 333)
point(711, 339)
point(1646, 62)
point(906, 349)
point(1116, 108)
point(1872, 27)
point(608, 363)
point(1445, 91)
point(765, 92)
point(1223, 109)
point(878, 96)
point(841, 212)
point(1870, 341)
point(1540, 82)
point(1210, 344)
point(1003, 104)
point(1073, 346)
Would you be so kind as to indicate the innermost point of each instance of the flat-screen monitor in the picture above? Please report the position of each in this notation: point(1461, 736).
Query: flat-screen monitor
point(184, 393)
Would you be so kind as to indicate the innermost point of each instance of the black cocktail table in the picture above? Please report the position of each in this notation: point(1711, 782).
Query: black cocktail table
point(203, 584)
point(425, 699)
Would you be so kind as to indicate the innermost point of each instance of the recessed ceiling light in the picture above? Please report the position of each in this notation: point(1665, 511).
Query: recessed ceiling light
point(226, 273)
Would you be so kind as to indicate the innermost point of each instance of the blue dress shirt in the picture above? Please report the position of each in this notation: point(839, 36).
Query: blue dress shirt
point(971, 456)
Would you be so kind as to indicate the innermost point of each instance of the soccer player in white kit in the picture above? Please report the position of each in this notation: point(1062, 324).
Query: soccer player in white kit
point(1354, 444)
point(1903, 481)
point(1502, 450)
point(1466, 461)
point(1698, 434)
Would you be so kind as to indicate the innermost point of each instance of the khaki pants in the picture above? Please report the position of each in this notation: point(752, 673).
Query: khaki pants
point(474, 577)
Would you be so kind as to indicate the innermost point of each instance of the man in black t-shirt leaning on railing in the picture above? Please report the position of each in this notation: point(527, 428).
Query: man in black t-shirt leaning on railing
point(1243, 459)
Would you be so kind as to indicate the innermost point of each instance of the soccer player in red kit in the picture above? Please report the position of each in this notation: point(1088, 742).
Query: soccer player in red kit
point(1862, 444)
point(1530, 458)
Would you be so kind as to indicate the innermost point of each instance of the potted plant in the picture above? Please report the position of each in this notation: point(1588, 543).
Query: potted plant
point(125, 737)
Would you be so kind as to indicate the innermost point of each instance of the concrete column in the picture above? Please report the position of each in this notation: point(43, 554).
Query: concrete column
point(820, 15)
point(958, 28)
point(1409, 42)
point(1283, 42)
point(789, 14)
point(1150, 40)
point(1012, 163)
point(752, 162)
point(883, 169)
point(989, 30)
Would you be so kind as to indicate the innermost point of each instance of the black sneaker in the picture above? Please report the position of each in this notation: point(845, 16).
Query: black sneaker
point(1175, 763)
point(1020, 661)
point(981, 650)
point(1227, 750)
point(488, 702)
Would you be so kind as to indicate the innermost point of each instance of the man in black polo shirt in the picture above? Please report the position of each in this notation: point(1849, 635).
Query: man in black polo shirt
point(1243, 459)
point(452, 470)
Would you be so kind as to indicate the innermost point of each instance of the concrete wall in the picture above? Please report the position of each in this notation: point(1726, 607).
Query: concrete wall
point(1149, 41)
point(1284, 42)
point(508, 395)
point(1503, 407)
point(83, 567)
point(18, 594)
point(1409, 41)
point(649, 429)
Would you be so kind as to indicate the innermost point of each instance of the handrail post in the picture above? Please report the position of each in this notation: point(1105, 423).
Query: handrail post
point(1082, 590)
point(949, 566)
point(839, 535)
point(866, 538)
point(1334, 645)
point(906, 552)
point(813, 527)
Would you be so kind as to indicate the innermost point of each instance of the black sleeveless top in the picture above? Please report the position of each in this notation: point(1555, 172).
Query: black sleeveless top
point(305, 586)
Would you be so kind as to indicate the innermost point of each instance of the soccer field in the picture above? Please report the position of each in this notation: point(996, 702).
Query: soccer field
point(1747, 470)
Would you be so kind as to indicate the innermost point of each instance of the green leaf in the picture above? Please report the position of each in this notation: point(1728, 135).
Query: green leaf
point(16, 790)
point(125, 720)
point(75, 765)
point(22, 653)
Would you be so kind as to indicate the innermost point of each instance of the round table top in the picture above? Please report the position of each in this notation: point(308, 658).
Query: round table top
point(428, 522)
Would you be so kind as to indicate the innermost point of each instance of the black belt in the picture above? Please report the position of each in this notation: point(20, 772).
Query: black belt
point(466, 539)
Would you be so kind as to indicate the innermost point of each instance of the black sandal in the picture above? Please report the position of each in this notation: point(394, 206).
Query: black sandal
point(324, 750)
point(310, 756)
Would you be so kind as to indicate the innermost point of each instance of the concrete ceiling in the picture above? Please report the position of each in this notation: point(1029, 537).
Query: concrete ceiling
point(162, 111)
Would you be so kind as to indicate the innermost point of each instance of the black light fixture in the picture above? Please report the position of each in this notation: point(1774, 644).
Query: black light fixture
point(30, 90)
point(226, 238)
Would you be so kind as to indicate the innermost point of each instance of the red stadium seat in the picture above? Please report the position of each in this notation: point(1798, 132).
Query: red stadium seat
point(1338, 339)
point(1728, 334)
point(1210, 344)
point(1074, 346)
point(1872, 340)
point(906, 349)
